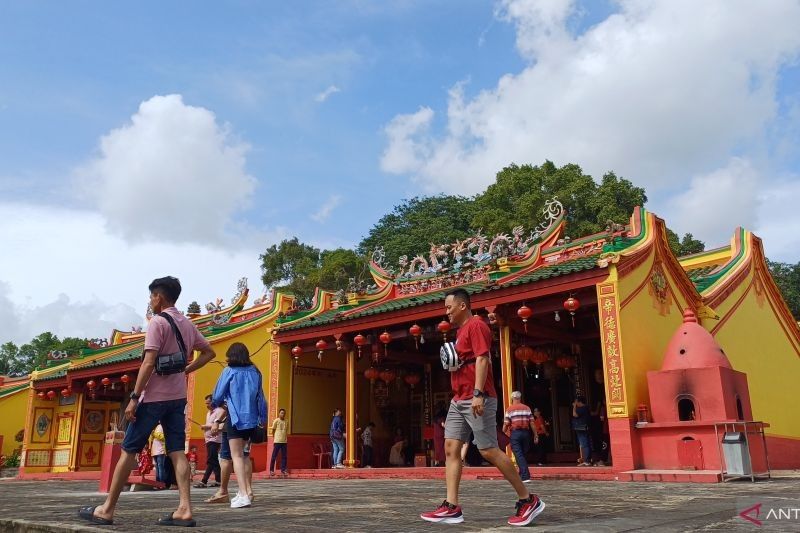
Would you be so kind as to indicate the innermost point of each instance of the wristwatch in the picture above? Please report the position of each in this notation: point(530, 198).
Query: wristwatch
point(134, 396)
point(477, 393)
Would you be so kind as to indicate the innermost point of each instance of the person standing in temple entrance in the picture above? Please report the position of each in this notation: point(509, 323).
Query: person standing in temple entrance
point(159, 395)
point(474, 408)
point(519, 421)
point(279, 441)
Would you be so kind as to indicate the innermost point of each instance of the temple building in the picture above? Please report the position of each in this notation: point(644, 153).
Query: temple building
point(75, 400)
point(593, 316)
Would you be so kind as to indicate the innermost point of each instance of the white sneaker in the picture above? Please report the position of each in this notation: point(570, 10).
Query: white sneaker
point(240, 501)
point(339, 466)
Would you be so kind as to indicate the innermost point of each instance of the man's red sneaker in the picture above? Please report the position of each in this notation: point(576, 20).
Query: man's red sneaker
point(446, 513)
point(527, 511)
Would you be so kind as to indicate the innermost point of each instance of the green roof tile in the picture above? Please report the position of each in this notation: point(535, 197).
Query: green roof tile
point(550, 271)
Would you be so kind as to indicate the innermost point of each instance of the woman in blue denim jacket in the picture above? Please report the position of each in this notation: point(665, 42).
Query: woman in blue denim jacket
point(240, 387)
point(337, 438)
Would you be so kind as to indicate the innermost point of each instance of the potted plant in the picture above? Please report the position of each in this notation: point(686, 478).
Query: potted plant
point(9, 464)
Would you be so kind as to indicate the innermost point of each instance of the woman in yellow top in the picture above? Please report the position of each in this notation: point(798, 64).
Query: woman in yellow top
point(279, 443)
point(164, 471)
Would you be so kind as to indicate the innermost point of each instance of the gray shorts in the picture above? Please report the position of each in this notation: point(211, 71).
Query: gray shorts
point(460, 422)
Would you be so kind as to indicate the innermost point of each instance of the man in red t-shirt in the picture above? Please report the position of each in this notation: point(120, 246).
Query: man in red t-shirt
point(474, 409)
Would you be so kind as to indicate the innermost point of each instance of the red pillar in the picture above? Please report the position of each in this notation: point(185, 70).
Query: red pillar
point(625, 449)
point(112, 450)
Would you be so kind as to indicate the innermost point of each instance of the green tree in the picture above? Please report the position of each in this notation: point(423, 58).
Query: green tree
point(34, 354)
point(288, 266)
point(685, 246)
point(9, 359)
point(336, 269)
point(419, 221)
point(787, 277)
point(194, 308)
point(520, 192)
point(73, 345)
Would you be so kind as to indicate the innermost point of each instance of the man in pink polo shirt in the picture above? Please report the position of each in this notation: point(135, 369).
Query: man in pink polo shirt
point(159, 397)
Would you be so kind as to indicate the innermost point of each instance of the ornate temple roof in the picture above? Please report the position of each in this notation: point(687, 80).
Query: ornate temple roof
point(477, 264)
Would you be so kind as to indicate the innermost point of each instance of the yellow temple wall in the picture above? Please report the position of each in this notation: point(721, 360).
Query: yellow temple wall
point(647, 324)
point(316, 389)
point(14, 409)
point(206, 378)
point(756, 340)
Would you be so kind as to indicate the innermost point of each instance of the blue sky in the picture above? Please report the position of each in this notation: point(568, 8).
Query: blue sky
point(70, 74)
point(264, 120)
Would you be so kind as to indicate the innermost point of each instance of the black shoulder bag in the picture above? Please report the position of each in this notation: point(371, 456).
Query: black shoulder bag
point(172, 363)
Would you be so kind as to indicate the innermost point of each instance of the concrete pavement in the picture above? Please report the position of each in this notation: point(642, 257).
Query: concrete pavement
point(394, 505)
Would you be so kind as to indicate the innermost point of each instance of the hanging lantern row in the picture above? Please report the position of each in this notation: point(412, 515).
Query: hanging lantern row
point(525, 313)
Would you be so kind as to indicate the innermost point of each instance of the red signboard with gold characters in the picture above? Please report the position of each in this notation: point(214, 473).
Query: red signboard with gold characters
point(612, 351)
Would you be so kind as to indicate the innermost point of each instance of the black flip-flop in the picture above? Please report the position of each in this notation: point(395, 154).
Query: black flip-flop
point(87, 513)
point(169, 520)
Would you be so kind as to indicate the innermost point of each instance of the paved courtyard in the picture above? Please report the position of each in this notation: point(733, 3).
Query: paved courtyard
point(394, 505)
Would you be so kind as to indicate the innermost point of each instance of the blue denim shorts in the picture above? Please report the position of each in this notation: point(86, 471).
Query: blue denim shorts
point(225, 447)
point(171, 415)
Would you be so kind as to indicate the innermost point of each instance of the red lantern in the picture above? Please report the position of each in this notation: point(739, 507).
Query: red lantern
point(321, 346)
point(371, 374)
point(412, 379)
point(65, 392)
point(51, 394)
point(525, 313)
point(443, 327)
point(41, 395)
point(125, 378)
point(415, 332)
point(106, 382)
point(566, 362)
point(91, 384)
point(387, 376)
point(523, 353)
point(572, 305)
point(360, 340)
point(539, 357)
point(297, 351)
point(385, 338)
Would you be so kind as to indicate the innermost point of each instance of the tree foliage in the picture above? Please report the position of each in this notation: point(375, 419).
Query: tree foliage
point(684, 246)
point(33, 354)
point(298, 268)
point(787, 277)
point(416, 223)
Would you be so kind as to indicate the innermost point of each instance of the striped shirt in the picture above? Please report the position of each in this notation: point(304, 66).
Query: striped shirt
point(519, 415)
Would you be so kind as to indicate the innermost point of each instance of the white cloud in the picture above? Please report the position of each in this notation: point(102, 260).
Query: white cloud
point(101, 279)
point(324, 95)
point(717, 202)
point(171, 174)
point(779, 220)
point(658, 92)
point(327, 208)
point(406, 150)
